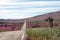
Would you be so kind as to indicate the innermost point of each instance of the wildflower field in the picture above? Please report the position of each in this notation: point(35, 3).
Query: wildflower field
point(43, 33)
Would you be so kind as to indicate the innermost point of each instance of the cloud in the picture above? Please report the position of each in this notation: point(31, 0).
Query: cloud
point(25, 0)
point(27, 5)
point(14, 10)
point(30, 3)
point(16, 14)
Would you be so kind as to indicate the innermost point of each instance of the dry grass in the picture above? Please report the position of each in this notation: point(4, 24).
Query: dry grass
point(43, 33)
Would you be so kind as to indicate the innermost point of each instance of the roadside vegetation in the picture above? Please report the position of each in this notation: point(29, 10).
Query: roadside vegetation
point(43, 33)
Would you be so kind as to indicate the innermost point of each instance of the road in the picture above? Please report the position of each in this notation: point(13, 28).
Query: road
point(14, 35)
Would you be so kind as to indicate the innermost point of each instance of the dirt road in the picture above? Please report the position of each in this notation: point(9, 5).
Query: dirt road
point(14, 35)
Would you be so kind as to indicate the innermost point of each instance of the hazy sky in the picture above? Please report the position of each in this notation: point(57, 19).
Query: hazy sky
point(17, 9)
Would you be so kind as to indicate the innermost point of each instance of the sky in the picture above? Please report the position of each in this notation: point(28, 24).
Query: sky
point(18, 9)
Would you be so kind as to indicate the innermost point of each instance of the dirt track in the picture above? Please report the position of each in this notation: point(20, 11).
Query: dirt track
point(13, 35)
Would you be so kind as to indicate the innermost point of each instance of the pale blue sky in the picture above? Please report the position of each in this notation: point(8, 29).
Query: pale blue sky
point(17, 9)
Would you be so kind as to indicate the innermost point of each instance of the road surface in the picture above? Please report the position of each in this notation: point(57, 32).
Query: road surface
point(14, 35)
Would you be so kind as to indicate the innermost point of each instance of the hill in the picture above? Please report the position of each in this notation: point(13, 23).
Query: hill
point(54, 15)
point(40, 19)
point(32, 21)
